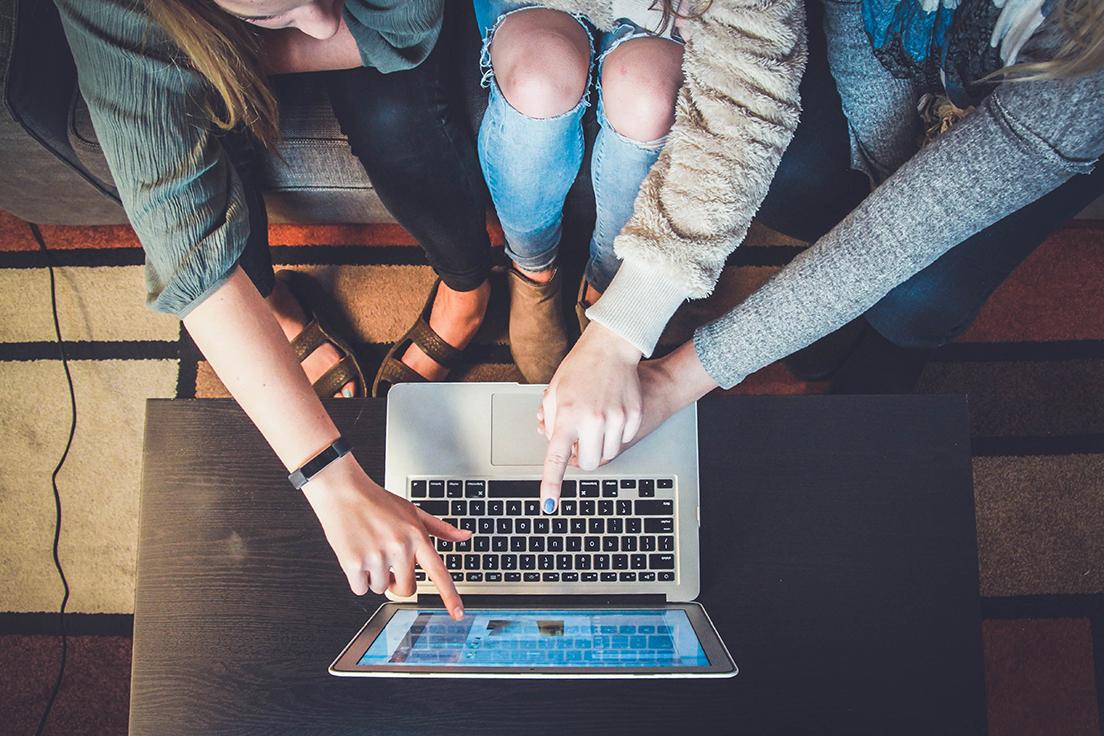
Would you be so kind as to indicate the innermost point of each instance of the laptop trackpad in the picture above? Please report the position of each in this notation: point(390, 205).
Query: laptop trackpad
point(514, 436)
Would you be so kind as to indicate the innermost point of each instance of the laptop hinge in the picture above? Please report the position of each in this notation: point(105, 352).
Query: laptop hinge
point(551, 601)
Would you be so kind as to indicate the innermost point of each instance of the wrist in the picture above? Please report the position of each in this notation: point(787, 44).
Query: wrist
point(685, 375)
point(332, 481)
point(613, 344)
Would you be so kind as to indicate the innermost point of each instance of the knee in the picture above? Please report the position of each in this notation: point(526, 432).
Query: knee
point(640, 83)
point(918, 316)
point(541, 61)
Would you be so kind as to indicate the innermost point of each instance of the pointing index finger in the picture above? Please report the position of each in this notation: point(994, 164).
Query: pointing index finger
point(435, 569)
point(556, 460)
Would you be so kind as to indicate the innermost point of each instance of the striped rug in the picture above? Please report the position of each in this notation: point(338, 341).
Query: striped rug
point(1033, 366)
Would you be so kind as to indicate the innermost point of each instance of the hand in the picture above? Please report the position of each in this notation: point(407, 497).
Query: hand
point(591, 407)
point(378, 536)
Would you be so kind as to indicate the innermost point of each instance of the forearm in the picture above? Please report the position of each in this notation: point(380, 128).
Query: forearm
point(289, 51)
point(238, 335)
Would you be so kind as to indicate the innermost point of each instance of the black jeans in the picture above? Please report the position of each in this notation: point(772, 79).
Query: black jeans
point(815, 188)
point(409, 132)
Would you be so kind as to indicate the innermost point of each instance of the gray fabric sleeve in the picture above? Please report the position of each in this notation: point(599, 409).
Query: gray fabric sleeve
point(394, 35)
point(1025, 140)
point(180, 191)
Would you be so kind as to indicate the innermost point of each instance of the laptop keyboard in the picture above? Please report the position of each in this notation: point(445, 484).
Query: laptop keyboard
point(604, 530)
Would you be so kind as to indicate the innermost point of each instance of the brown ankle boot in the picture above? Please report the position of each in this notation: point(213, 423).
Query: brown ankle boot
point(538, 340)
point(581, 305)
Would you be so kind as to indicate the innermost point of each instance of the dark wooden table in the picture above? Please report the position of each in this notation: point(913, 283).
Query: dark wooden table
point(839, 565)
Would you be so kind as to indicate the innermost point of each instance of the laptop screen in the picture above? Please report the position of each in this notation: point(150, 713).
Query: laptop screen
point(538, 638)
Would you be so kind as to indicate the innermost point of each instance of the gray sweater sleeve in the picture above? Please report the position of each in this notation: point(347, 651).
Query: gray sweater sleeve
point(1025, 140)
point(178, 187)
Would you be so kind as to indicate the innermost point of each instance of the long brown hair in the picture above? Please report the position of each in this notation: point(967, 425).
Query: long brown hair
point(672, 12)
point(225, 51)
point(1082, 51)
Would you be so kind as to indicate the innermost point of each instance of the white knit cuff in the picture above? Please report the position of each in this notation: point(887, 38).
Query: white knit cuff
point(638, 304)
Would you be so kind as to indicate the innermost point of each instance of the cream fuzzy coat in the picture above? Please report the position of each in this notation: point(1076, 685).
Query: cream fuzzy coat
point(736, 113)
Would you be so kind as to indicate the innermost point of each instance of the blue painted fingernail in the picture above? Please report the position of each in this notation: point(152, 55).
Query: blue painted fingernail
point(549, 505)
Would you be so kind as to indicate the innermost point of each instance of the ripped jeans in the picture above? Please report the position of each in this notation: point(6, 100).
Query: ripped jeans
point(530, 163)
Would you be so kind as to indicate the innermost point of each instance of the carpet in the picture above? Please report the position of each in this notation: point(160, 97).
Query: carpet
point(1033, 366)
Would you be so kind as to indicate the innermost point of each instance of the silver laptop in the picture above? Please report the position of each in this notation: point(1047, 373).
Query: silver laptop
point(602, 587)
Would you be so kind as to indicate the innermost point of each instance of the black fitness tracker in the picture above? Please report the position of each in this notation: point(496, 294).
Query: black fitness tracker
point(340, 448)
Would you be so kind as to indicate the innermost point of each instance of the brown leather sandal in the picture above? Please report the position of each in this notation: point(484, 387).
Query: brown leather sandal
point(319, 332)
point(392, 370)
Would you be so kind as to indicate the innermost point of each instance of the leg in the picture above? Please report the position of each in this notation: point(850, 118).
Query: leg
point(815, 187)
point(531, 138)
point(537, 65)
point(639, 80)
point(940, 303)
point(407, 130)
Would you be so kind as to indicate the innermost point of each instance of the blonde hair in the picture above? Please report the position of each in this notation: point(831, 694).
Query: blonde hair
point(1082, 51)
point(224, 50)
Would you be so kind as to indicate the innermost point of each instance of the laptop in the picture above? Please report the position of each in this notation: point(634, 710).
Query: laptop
point(603, 587)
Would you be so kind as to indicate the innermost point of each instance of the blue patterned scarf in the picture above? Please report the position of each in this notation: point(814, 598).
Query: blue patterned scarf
point(949, 45)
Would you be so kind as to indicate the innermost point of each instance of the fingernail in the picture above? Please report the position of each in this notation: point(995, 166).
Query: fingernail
point(549, 505)
point(347, 392)
point(458, 612)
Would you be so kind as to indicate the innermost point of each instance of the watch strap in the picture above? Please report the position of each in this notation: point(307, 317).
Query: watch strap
point(340, 448)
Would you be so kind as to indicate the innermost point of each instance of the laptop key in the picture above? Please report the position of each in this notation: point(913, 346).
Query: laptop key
point(481, 544)
point(664, 484)
point(418, 489)
point(504, 526)
point(628, 483)
point(475, 577)
point(628, 544)
point(667, 544)
point(458, 508)
point(494, 577)
point(550, 577)
point(454, 489)
point(477, 508)
point(605, 507)
point(471, 562)
point(624, 508)
point(464, 546)
point(632, 526)
point(517, 544)
point(486, 525)
point(541, 525)
point(467, 524)
point(582, 562)
point(528, 562)
point(569, 508)
point(657, 507)
point(531, 577)
point(559, 526)
point(536, 544)
point(659, 526)
point(563, 562)
point(615, 526)
point(555, 544)
point(546, 562)
point(419, 575)
point(661, 562)
point(499, 544)
point(647, 577)
point(601, 562)
point(590, 577)
point(457, 576)
point(627, 577)
point(609, 488)
point(666, 576)
point(620, 562)
point(578, 526)
point(587, 508)
point(569, 577)
point(646, 488)
point(513, 489)
point(574, 544)
point(532, 508)
point(596, 526)
point(513, 508)
point(509, 562)
point(523, 526)
point(609, 544)
point(588, 489)
point(513, 577)
point(490, 562)
point(496, 508)
point(567, 489)
point(592, 544)
point(435, 508)
point(475, 489)
point(436, 489)
point(638, 561)
point(647, 544)
point(609, 577)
